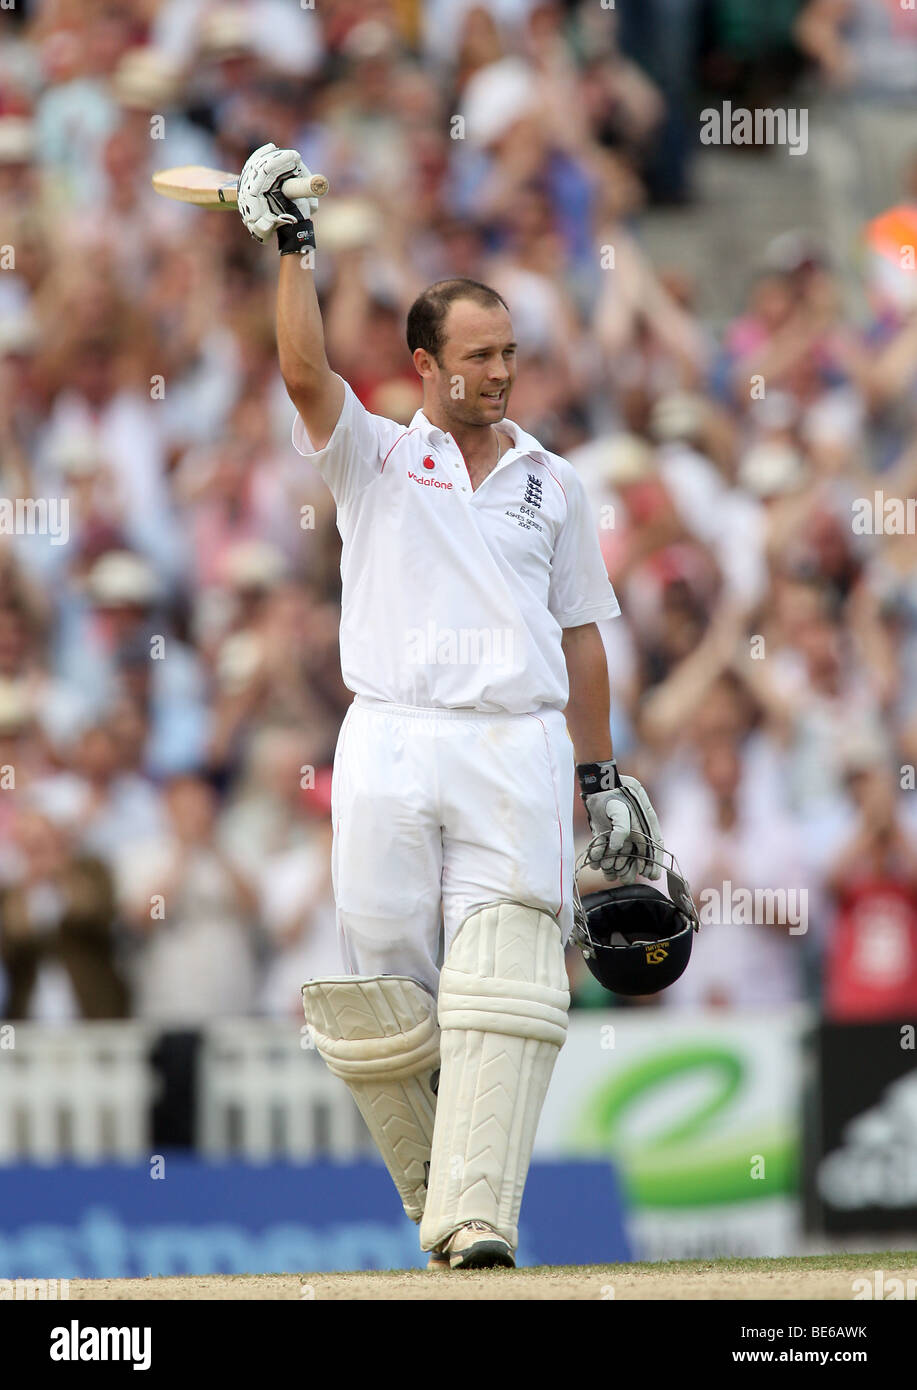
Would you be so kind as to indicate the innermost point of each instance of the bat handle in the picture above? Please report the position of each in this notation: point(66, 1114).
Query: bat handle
point(316, 186)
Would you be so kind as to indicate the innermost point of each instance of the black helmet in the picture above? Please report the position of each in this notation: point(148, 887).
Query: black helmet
point(635, 939)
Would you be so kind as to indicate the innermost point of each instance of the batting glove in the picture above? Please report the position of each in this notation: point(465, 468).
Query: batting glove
point(625, 828)
point(262, 206)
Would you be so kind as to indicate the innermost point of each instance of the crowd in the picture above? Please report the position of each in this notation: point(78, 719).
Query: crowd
point(170, 691)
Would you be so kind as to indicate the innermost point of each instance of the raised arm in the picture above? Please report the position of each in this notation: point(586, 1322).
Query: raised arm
point(314, 389)
point(819, 31)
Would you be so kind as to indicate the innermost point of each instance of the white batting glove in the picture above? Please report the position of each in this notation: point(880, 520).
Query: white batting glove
point(624, 826)
point(263, 176)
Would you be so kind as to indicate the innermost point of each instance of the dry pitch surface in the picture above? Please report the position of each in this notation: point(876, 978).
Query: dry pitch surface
point(809, 1277)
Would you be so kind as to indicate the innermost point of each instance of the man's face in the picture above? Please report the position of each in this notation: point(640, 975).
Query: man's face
point(472, 381)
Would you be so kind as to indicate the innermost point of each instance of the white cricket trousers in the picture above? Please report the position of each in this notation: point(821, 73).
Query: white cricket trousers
point(437, 813)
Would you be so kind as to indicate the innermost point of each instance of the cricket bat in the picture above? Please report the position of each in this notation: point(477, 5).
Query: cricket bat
point(214, 188)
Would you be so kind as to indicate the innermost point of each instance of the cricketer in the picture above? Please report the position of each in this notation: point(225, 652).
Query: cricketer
point(472, 585)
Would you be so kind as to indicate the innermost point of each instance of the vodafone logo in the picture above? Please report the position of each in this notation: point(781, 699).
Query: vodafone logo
point(429, 482)
point(429, 462)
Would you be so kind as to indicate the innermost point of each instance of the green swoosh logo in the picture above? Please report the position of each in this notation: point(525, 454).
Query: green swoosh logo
point(681, 1164)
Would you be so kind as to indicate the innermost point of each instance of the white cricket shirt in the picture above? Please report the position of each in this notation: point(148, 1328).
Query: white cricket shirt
point(454, 598)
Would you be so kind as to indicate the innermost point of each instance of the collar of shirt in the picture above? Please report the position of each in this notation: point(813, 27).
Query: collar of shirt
point(525, 444)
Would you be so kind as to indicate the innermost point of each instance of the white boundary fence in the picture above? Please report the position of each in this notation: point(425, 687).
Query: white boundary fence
point(263, 1094)
point(85, 1092)
point(80, 1092)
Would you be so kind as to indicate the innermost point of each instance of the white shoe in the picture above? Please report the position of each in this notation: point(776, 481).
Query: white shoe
point(478, 1246)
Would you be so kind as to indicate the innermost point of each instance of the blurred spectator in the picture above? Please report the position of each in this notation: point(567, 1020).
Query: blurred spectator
point(191, 909)
point(864, 44)
point(726, 848)
point(120, 807)
point(870, 965)
point(116, 641)
point(57, 942)
point(297, 910)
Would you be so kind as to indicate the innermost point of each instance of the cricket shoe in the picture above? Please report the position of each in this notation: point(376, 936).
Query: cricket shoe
point(478, 1246)
point(438, 1260)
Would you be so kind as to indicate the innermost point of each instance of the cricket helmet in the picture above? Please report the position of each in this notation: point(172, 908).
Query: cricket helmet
point(635, 939)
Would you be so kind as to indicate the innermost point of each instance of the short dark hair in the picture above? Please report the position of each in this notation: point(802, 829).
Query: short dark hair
point(428, 312)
